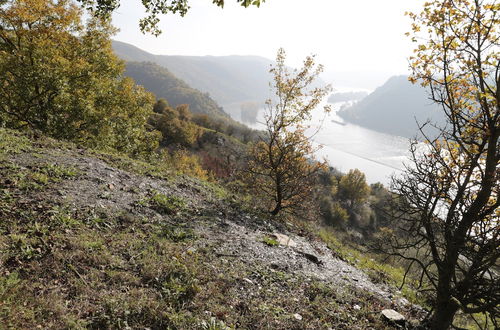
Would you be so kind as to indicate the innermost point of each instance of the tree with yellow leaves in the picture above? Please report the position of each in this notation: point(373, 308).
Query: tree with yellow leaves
point(353, 189)
point(449, 227)
point(281, 165)
point(61, 77)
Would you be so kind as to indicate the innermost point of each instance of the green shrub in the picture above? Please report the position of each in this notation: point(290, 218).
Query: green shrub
point(174, 124)
point(333, 213)
point(188, 164)
point(270, 241)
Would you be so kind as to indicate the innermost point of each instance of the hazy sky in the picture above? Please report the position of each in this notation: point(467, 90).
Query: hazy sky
point(347, 35)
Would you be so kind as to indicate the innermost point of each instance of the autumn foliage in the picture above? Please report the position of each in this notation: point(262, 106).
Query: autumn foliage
point(61, 77)
point(449, 213)
point(281, 165)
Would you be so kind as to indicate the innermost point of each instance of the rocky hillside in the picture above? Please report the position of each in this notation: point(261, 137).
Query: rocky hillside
point(96, 240)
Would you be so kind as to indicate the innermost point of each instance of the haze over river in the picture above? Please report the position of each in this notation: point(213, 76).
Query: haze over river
point(347, 146)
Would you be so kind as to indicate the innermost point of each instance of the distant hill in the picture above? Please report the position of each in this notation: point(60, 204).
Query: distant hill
point(230, 80)
point(355, 79)
point(347, 96)
point(394, 108)
point(164, 84)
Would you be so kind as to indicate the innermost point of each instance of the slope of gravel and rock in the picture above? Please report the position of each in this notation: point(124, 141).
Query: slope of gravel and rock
point(94, 240)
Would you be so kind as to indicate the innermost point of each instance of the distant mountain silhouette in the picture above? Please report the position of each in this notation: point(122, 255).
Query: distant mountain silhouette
point(355, 79)
point(230, 80)
point(347, 96)
point(395, 108)
point(164, 84)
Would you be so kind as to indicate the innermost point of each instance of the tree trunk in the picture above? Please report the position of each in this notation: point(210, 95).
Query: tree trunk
point(443, 315)
point(279, 197)
point(277, 209)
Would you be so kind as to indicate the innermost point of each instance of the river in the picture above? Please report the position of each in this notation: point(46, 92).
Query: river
point(348, 146)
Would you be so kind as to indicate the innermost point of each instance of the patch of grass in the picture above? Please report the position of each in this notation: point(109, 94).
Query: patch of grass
point(13, 142)
point(62, 217)
point(271, 309)
point(163, 204)
point(90, 248)
point(93, 245)
point(177, 234)
point(136, 308)
point(15, 308)
point(171, 275)
point(40, 178)
point(167, 204)
point(35, 178)
point(21, 178)
point(270, 241)
point(214, 324)
point(218, 191)
point(25, 247)
point(8, 284)
point(28, 232)
point(179, 286)
point(55, 171)
point(98, 218)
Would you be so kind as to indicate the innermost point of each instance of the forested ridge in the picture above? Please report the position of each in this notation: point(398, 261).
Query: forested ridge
point(228, 79)
point(164, 84)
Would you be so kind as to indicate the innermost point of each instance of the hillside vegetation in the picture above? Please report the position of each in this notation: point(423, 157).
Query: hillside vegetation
point(119, 210)
point(164, 84)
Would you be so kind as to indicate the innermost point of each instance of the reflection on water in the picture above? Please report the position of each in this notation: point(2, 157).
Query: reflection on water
point(347, 146)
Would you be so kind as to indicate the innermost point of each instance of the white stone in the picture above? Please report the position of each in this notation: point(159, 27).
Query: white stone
point(392, 315)
point(284, 240)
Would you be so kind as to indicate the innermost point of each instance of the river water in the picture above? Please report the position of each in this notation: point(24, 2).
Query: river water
point(348, 146)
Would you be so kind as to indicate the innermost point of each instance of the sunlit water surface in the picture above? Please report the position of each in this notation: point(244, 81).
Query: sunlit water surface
point(347, 146)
